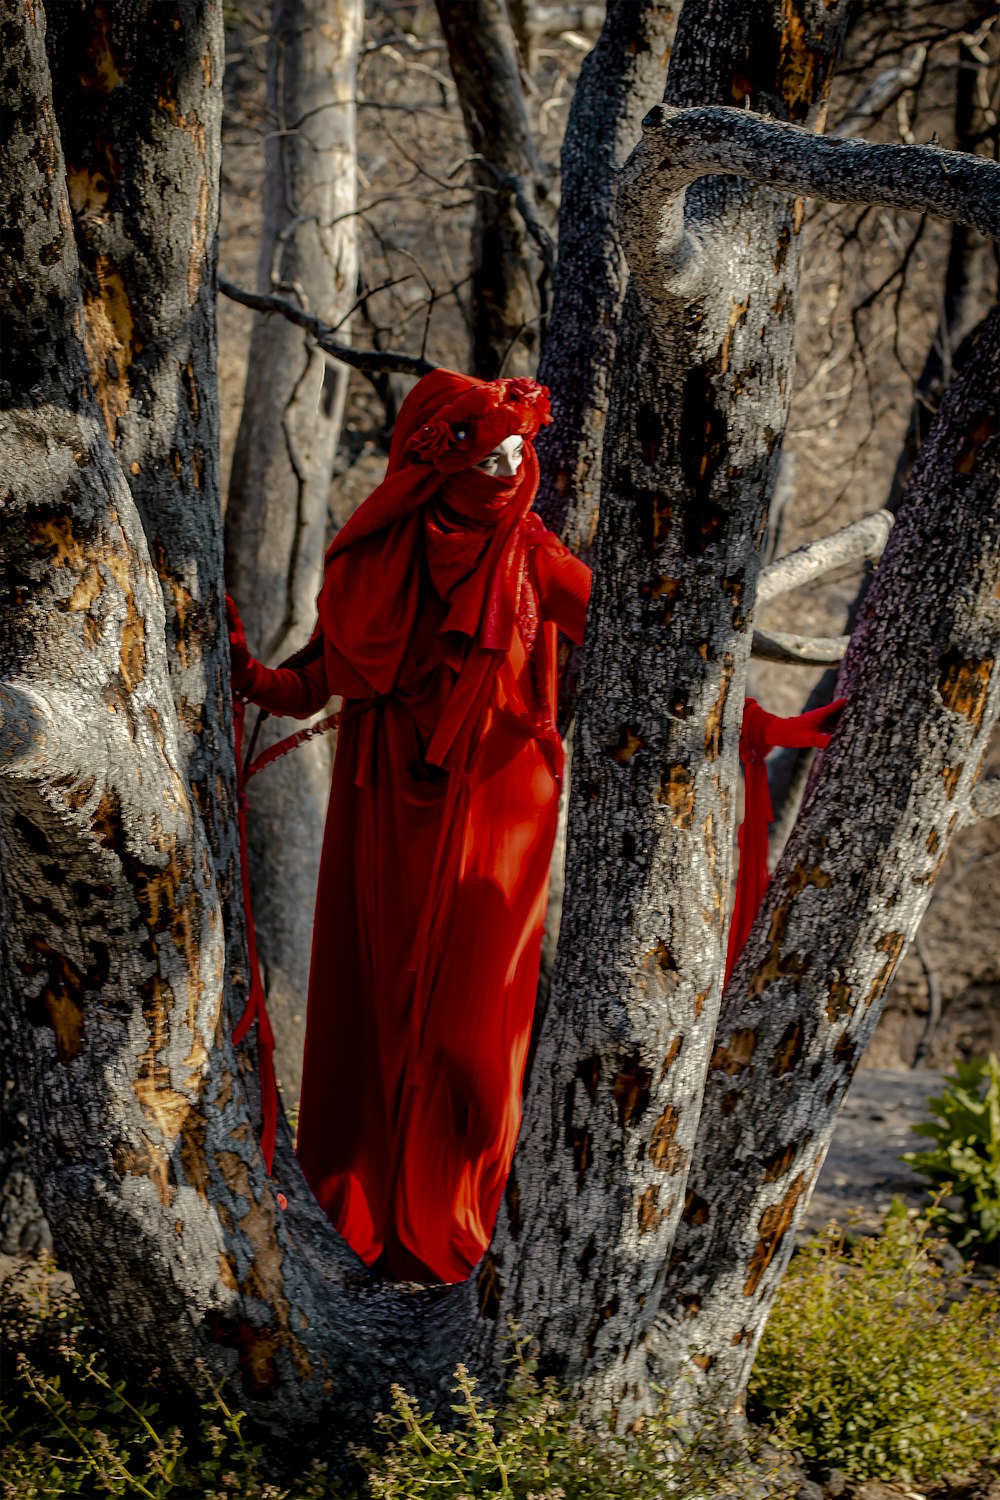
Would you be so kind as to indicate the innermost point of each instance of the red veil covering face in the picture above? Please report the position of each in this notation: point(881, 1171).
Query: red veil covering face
point(438, 623)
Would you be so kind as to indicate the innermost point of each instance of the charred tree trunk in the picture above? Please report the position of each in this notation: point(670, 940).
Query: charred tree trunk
point(621, 78)
point(123, 946)
point(277, 518)
point(848, 895)
point(506, 173)
point(123, 953)
point(967, 294)
point(700, 391)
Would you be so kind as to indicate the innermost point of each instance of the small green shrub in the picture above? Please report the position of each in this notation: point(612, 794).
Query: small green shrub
point(879, 1364)
point(965, 1157)
point(71, 1426)
point(537, 1449)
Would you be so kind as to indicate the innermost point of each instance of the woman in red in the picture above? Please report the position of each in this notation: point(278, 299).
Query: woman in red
point(438, 622)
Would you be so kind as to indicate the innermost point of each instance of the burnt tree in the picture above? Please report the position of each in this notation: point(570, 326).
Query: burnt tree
point(123, 959)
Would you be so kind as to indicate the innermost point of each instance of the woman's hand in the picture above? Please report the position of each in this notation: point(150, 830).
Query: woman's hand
point(242, 663)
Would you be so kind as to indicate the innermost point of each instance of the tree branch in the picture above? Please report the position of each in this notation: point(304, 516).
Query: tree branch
point(798, 650)
point(368, 361)
point(865, 538)
point(680, 145)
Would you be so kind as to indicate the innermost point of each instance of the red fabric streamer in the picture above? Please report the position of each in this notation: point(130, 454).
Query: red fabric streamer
point(438, 621)
point(256, 1008)
point(761, 732)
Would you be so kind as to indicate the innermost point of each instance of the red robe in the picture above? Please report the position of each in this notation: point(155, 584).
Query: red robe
point(439, 625)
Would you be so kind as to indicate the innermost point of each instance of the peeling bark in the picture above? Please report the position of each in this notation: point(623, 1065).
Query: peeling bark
point(116, 980)
point(849, 892)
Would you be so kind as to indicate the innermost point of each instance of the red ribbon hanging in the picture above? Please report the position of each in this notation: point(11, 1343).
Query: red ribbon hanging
point(256, 1008)
point(761, 732)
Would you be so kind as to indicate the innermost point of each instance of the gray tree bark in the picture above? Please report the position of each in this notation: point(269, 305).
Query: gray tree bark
point(699, 396)
point(852, 885)
point(506, 173)
point(277, 517)
point(621, 78)
point(123, 945)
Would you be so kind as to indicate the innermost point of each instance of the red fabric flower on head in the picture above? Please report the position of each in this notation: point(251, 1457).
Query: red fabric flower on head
point(468, 428)
point(530, 393)
point(432, 442)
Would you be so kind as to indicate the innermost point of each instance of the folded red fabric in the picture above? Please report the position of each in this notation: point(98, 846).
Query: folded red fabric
point(760, 733)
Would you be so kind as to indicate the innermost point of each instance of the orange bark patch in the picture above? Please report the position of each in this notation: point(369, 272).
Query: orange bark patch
point(631, 1091)
point(60, 1003)
point(736, 1054)
point(648, 1213)
point(713, 724)
point(147, 1161)
point(789, 1050)
point(838, 1000)
point(968, 455)
point(488, 1287)
point(664, 1153)
point(780, 1162)
point(696, 1210)
point(800, 81)
point(264, 1280)
point(132, 656)
point(677, 791)
point(933, 841)
point(101, 70)
point(737, 315)
point(672, 1054)
point(774, 1225)
point(699, 1002)
point(964, 684)
point(712, 856)
point(110, 341)
point(734, 589)
point(199, 235)
point(629, 743)
point(950, 776)
point(891, 944)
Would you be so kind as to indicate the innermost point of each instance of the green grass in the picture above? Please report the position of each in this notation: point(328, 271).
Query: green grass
point(875, 1362)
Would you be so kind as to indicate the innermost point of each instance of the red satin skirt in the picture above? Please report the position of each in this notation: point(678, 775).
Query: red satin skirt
point(429, 919)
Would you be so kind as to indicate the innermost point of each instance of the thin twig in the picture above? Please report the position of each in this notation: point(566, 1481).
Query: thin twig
point(368, 361)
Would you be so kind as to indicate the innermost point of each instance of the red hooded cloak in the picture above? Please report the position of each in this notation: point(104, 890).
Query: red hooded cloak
point(438, 622)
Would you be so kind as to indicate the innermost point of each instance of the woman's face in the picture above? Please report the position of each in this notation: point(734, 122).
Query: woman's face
point(505, 460)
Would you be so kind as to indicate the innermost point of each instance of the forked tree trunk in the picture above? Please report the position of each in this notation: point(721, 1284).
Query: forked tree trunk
point(277, 518)
point(123, 940)
point(699, 397)
point(505, 303)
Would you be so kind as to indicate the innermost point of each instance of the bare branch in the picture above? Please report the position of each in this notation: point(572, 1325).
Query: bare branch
point(368, 361)
point(881, 92)
point(799, 650)
point(680, 145)
point(864, 538)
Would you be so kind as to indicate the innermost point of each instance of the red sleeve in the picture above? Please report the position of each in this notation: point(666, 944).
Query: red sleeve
point(563, 583)
point(295, 692)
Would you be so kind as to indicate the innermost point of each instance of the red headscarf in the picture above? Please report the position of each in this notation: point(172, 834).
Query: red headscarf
point(434, 505)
